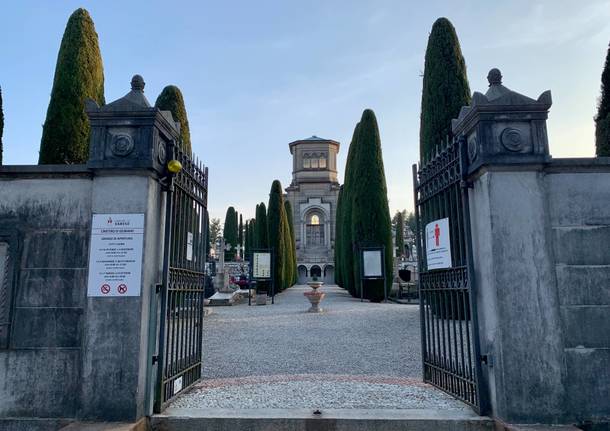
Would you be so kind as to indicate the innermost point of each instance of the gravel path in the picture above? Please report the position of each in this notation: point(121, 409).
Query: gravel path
point(349, 337)
point(316, 392)
point(353, 355)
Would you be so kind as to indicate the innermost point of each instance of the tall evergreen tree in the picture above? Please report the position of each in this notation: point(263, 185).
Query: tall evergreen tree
point(230, 234)
point(291, 242)
point(214, 232)
point(277, 226)
point(346, 259)
point(261, 234)
point(399, 227)
point(445, 87)
point(251, 230)
point(254, 228)
point(370, 221)
point(261, 239)
point(247, 240)
point(602, 119)
point(171, 99)
point(339, 238)
point(1, 126)
point(240, 235)
point(79, 75)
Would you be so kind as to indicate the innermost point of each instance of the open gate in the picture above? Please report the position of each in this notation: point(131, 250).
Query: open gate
point(449, 330)
point(182, 291)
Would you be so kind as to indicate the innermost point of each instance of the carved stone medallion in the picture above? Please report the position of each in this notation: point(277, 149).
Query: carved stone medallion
point(122, 145)
point(511, 139)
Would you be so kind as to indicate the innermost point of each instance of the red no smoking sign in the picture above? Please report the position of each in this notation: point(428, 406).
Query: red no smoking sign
point(105, 289)
point(122, 288)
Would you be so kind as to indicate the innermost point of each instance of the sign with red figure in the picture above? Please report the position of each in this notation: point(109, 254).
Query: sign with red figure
point(105, 289)
point(438, 244)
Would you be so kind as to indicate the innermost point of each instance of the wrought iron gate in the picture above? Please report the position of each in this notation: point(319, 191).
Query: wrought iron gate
point(449, 330)
point(182, 291)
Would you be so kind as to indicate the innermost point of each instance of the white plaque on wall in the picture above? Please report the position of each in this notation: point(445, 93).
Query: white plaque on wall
point(438, 244)
point(372, 263)
point(115, 255)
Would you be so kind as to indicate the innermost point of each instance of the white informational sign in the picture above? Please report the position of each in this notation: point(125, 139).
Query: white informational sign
point(189, 246)
point(372, 263)
point(438, 244)
point(261, 265)
point(115, 255)
point(177, 385)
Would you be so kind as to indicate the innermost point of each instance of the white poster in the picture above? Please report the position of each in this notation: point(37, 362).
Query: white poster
point(261, 265)
point(189, 246)
point(372, 263)
point(438, 244)
point(115, 255)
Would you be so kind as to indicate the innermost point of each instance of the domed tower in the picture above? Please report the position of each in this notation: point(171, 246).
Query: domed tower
point(313, 195)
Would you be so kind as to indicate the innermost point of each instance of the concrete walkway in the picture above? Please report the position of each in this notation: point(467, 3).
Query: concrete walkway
point(353, 355)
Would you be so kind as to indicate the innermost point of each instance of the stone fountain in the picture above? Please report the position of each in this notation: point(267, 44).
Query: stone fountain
point(315, 296)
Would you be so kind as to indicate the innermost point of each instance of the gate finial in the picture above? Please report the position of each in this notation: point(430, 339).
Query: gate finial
point(494, 77)
point(137, 83)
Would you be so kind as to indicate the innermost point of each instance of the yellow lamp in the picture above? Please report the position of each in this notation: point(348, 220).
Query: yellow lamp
point(174, 166)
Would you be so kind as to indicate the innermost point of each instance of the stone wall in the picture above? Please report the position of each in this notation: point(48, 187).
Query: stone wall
point(44, 216)
point(64, 354)
point(579, 216)
point(541, 256)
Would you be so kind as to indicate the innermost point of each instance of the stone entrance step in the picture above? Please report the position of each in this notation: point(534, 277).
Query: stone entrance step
point(174, 419)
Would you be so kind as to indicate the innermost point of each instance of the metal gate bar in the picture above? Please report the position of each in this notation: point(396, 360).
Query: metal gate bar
point(182, 292)
point(449, 330)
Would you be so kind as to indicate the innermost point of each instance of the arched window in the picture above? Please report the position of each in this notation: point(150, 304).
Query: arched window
point(314, 162)
point(322, 161)
point(314, 230)
point(306, 161)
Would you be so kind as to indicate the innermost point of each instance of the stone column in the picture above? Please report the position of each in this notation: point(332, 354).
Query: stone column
point(517, 298)
point(127, 157)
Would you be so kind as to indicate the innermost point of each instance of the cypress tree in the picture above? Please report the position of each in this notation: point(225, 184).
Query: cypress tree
point(79, 75)
point(247, 240)
point(261, 239)
point(339, 238)
point(400, 237)
point(602, 119)
point(445, 87)
point(370, 221)
point(171, 100)
point(240, 235)
point(346, 259)
point(292, 244)
point(230, 233)
point(261, 235)
point(277, 226)
point(1, 126)
point(251, 229)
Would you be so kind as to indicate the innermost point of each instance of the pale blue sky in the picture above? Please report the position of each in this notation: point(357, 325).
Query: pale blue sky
point(257, 75)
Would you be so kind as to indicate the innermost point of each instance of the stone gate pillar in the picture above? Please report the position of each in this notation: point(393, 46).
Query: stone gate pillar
point(128, 158)
point(517, 298)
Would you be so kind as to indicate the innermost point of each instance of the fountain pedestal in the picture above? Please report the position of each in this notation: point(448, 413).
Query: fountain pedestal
point(315, 296)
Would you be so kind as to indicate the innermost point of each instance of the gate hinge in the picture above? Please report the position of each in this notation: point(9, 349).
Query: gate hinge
point(158, 287)
point(465, 184)
point(155, 359)
point(487, 360)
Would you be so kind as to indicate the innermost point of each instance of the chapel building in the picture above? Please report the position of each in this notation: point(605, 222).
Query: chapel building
point(313, 195)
